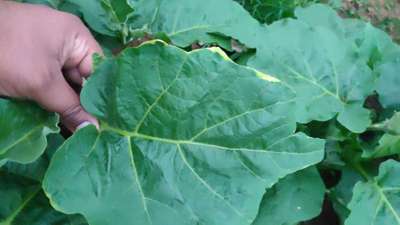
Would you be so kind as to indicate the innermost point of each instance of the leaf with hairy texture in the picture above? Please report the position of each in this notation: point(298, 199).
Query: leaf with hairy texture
point(22, 200)
point(296, 198)
point(186, 138)
point(24, 127)
point(376, 201)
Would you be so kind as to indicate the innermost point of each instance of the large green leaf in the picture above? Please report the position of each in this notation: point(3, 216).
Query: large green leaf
point(186, 138)
point(22, 201)
point(372, 43)
point(377, 202)
point(328, 80)
point(295, 198)
point(24, 127)
point(186, 22)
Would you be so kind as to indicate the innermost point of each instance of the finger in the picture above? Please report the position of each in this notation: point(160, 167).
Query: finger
point(73, 75)
point(82, 49)
point(86, 65)
point(57, 96)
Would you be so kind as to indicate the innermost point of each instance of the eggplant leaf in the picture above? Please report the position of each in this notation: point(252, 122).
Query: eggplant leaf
point(295, 198)
point(107, 17)
point(22, 200)
point(342, 193)
point(268, 11)
point(376, 201)
point(186, 22)
point(328, 80)
point(389, 83)
point(24, 127)
point(389, 143)
point(186, 138)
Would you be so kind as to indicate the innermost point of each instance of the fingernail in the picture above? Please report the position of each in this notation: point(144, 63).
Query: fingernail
point(84, 124)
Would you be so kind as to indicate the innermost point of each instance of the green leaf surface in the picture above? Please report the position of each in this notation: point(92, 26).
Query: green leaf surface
point(24, 127)
point(107, 17)
point(377, 202)
point(389, 143)
point(342, 193)
point(328, 81)
point(50, 3)
point(295, 198)
point(372, 43)
point(268, 11)
point(186, 138)
point(22, 201)
point(186, 22)
point(389, 83)
point(373, 46)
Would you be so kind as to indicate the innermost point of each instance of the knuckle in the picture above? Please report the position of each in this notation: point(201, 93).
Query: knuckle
point(72, 112)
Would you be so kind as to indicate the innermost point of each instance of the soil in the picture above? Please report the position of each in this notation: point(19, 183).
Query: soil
point(384, 14)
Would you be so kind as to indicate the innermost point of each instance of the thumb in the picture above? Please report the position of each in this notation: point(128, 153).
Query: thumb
point(56, 95)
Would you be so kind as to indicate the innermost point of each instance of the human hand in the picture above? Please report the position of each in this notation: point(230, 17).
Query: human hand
point(38, 44)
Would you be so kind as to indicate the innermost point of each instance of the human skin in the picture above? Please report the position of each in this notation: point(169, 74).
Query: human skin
point(40, 48)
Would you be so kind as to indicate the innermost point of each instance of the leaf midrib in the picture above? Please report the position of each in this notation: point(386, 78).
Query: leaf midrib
point(386, 201)
point(11, 218)
point(380, 191)
point(21, 139)
point(211, 146)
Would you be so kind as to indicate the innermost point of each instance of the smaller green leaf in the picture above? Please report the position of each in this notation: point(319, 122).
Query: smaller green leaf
point(342, 193)
point(389, 83)
point(22, 200)
point(389, 144)
point(186, 22)
point(295, 198)
point(377, 201)
point(333, 155)
point(104, 16)
point(24, 127)
point(268, 11)
point(36, 170)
